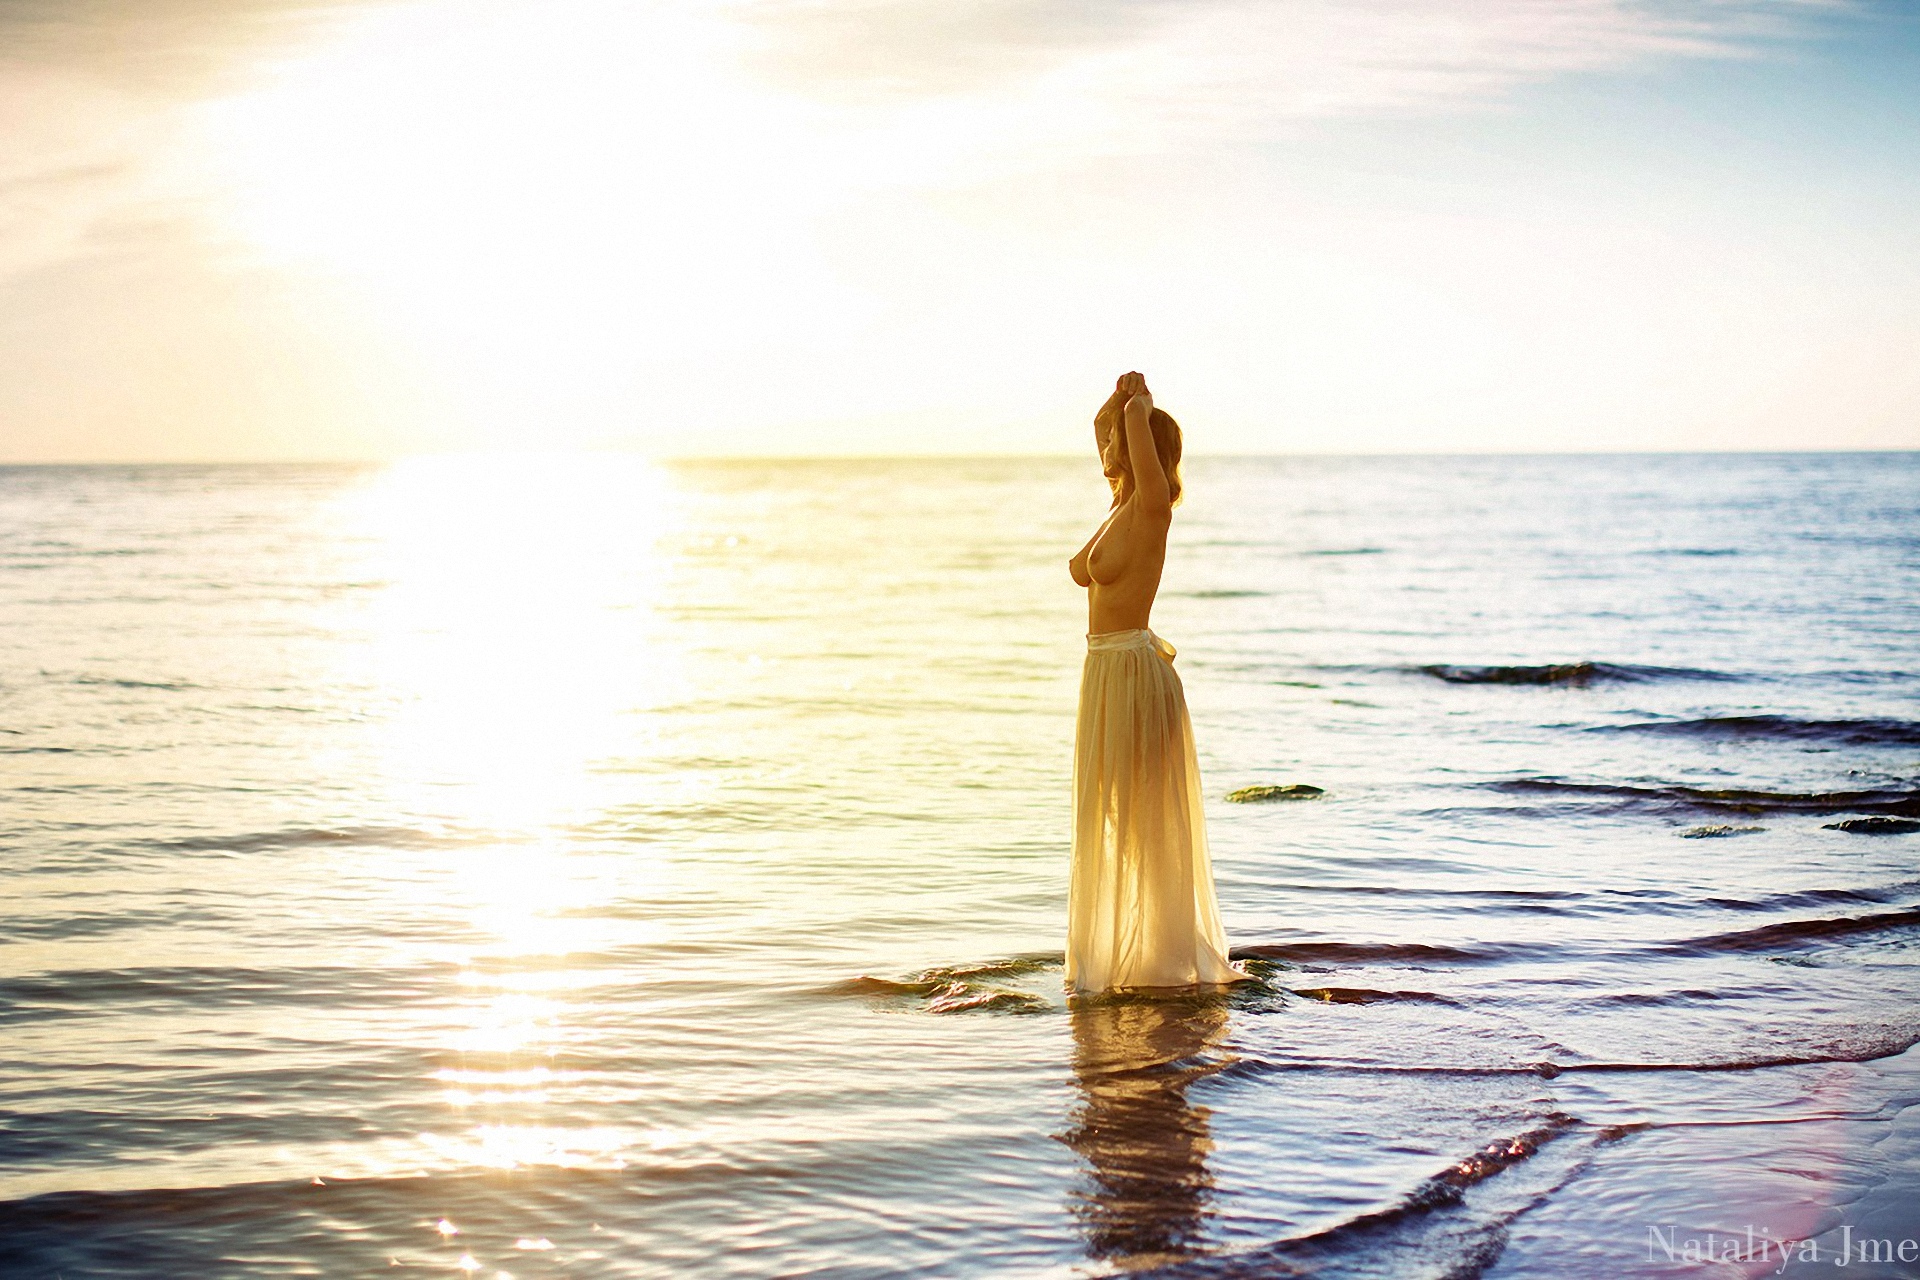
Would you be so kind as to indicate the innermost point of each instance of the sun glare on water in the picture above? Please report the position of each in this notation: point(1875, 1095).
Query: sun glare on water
point(514, 642)
point(515, 636)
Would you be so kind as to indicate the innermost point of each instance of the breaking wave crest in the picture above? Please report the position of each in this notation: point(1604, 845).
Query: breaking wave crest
point(1567, 674)
point(1793, 933)
point(1850, 733)
point(1607, 797)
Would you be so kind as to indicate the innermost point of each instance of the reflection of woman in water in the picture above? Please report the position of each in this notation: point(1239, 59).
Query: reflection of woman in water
point(1141, 910)
point(1146, 1145)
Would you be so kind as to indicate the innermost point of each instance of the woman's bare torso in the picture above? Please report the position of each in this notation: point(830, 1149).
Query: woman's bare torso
point(1120, 566)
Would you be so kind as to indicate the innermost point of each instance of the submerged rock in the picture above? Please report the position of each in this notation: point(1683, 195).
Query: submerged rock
point(1876, 826)
point(1294, 791)
point(1719, 829)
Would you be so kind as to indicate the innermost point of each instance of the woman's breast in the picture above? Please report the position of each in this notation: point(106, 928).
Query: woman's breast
point(1105, 561)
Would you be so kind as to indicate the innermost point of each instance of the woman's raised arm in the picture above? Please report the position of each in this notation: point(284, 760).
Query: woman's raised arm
point(1151, 492)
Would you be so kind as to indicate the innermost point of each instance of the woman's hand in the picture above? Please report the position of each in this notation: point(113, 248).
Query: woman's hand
point(1108, 419)
point(1125, 388)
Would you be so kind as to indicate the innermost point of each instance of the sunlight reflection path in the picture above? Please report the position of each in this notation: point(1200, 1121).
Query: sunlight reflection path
point(517, 630)
point(516, 646)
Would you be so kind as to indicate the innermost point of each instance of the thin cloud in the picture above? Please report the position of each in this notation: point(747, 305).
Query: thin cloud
point(158, 48)
point(92, 101)
point(1197, 60)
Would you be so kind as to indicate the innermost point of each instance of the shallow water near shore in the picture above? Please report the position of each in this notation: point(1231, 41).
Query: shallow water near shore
point(590, 867)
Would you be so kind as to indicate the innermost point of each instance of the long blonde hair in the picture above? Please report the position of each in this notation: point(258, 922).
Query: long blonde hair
point(1166, 443)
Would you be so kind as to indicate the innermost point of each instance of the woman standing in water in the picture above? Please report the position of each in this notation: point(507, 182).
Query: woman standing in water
point(1141, 909)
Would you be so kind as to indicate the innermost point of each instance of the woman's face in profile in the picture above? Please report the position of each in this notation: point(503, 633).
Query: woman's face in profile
point(1110, 452)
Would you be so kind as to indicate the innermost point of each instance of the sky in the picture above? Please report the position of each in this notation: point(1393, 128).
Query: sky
point(269, 229)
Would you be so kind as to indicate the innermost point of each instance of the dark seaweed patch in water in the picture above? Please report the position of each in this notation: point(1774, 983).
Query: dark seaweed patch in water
point(1289, 791)
point(1875, 826)
point(1575, 675)
point(1851, 733)
point(1717, 832)
point(1607, 798)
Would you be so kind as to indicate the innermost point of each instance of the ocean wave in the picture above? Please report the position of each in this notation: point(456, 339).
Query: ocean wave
point(987, 988)
point(1608, 797)
point(1217, 595)
point(1853, 733)
point(1373, 953)
point(1692, 551)
point(1432, 1229)
point(1793, 933)
point(1662, 999)
point(301, 837)
point(173, 686)
point(75, 924)
point(64, 992)
point(975, 988)
point(1868, 1045)
point(1575, 675)
point(1000, 986)
point(1367, 995)
point(1855, 1044)
point(1815, 898)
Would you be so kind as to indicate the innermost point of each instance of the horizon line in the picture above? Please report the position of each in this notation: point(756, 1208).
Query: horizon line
point(394, 459)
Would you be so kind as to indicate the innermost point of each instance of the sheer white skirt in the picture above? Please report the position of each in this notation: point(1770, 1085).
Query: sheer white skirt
point(1141, 909)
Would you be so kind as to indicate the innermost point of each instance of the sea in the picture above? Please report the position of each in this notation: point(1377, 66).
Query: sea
point(549, 865)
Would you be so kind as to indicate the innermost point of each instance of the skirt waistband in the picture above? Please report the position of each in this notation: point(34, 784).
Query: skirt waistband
point(1136, 638)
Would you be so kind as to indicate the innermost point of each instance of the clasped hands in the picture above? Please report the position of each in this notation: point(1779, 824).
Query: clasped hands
point(1126, 388)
